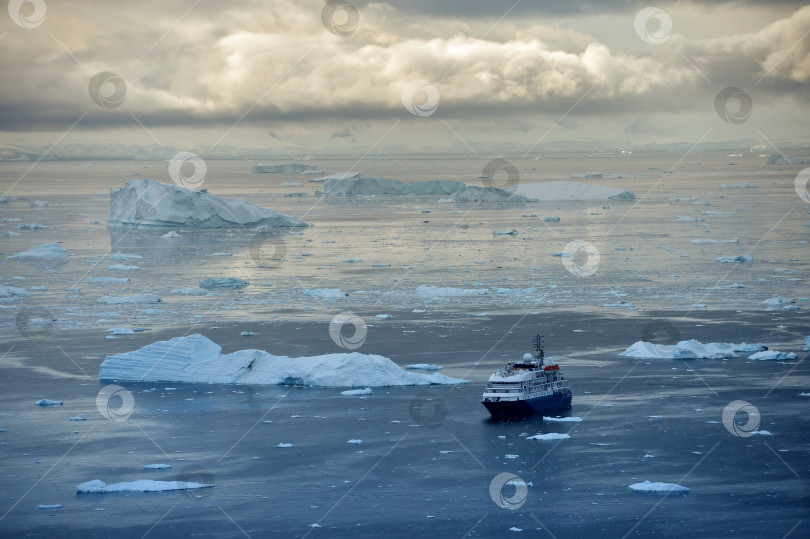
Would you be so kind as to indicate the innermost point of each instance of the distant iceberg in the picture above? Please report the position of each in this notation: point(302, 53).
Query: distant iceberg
point(351, 186)
point(691, 349)
point(290, 168)
point(779, 159)
point(197, 359)
point(149, 203)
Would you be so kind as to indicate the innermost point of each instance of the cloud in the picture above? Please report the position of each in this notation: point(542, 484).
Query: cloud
point(219, 66)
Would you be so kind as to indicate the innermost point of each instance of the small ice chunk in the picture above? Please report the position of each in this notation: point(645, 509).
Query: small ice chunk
point(424, 367)
point(48, 402)
point(355, 441)
point(550, 436)
point(647, 486)
point(156, 466)
point(356, 392)
point(284, 445)
point(54, 506)
point(122, 267)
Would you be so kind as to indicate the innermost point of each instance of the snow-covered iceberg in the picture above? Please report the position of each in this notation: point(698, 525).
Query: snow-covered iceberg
point(197, 359)
point(290, 168)
point(149, 203)
point(691, 349)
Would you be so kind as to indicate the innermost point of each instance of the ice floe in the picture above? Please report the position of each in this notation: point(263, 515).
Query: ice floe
point(135, 298)
point(550, 436)
point(773, 355)
point(142, 485)
point(357, 392)
point(647, 486)
point(47, 251)
point(197, 359)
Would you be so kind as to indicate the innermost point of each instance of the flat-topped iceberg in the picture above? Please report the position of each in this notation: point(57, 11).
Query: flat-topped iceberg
point(197, 359)
point(691, 349)
point(149, 203)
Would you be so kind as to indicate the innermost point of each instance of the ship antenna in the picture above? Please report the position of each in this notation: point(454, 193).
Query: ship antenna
point(538, 346)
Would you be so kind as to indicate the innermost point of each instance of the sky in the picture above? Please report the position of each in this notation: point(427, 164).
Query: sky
point(404, 76)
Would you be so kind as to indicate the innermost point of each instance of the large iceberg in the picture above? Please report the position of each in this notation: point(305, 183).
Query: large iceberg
point(149, 203)
point(197, 359)
point(290, 168)
point(691, 349)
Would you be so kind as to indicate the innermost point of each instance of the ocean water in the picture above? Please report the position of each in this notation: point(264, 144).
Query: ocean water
point(428, 457)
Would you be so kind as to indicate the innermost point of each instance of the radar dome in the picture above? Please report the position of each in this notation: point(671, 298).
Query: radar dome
point(527, 357)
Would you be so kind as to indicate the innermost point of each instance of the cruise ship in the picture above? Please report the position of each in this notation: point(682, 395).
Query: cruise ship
point(533, 386)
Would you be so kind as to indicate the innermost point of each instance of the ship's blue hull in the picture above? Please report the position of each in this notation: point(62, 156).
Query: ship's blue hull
point(526, 408)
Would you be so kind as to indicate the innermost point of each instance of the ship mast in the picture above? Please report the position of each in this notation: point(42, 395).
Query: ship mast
point(540, 357)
